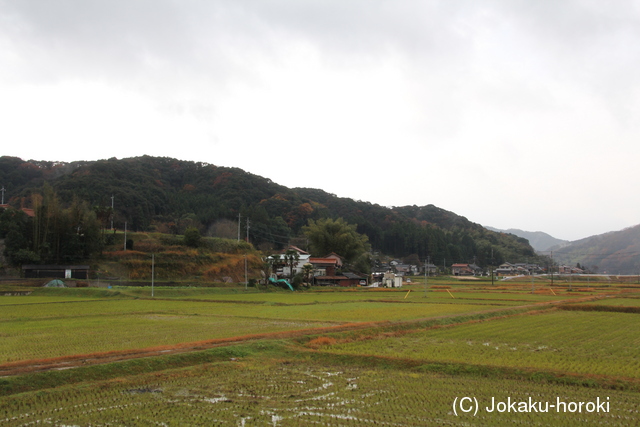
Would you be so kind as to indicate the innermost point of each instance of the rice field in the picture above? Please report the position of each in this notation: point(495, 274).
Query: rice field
point(33, 328)
point(277, 392)
point(402, 359)
point(628, 301)
point(47, 338)
point(562, 341)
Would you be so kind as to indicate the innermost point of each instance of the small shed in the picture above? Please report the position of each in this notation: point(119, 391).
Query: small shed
point(32, 271)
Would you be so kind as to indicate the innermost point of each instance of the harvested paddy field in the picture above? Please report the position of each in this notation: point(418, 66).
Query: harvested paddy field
point(206, 356)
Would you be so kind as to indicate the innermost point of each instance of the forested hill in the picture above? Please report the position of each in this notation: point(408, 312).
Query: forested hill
point(169, 195)
point(615, 252)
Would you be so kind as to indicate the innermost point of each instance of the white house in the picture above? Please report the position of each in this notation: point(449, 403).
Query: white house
point(284, 269)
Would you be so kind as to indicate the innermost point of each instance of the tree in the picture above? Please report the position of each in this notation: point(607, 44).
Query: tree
point(275, 261)
point(336, 235)
point(412, 259)
point(192, 237)
point(291, 258)
point(54, 234)
point(307, 272)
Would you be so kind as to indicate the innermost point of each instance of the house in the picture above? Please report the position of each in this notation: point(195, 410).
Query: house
point(565, 269)
point(431, 269)
point(283, 268)
point(465, 269)
point(403, 269)
point(345, 280)
point(31, 271)
point(461, 270)
point(517, 269)
point(324, 266)
point(506, 269)
point(28, 211)
point(338, 258)
point(381, 267)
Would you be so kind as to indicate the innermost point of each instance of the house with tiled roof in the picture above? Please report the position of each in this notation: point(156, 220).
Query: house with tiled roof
point(345, 279)
point(30, 212)
point(465, 269)
point(324, 266)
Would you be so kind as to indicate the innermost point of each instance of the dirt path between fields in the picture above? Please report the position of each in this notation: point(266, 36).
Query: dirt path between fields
point(74, 361)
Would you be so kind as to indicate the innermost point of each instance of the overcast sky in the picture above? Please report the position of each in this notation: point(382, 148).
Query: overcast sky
point(515, 114)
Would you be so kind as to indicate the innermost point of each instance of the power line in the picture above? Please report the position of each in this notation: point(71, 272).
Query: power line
point(269, 238)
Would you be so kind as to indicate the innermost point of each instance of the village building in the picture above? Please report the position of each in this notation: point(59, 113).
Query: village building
point(324, 266)
point(518, 269)
point(281, 265)
point(31, 271)
point(565, 269)
point(465, 270)
point(344, 279)
point(431, 269)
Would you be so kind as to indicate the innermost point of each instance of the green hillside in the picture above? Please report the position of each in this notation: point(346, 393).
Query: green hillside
point(165, 195)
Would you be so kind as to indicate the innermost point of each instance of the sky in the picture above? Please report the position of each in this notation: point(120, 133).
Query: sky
point(513, 113)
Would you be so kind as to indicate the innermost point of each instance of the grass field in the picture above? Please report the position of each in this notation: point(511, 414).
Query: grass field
point(341, 357)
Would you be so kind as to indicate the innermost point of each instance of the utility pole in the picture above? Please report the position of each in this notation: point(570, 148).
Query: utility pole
point(112, 212)
point(125, 236)
point(246, 281)
point(239, 217)
point(491, 266)
point(153, 262)
point(3, 190)
point(533, 289)
point(551, 268)
point(426, 276)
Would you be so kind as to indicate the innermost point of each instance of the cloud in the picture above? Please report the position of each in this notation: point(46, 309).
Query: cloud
point(480, 107)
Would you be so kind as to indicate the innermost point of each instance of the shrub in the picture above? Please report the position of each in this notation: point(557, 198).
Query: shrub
point(192, 237)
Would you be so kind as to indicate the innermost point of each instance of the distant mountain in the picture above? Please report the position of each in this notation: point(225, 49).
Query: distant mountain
point(539, 240)
point(616, 252)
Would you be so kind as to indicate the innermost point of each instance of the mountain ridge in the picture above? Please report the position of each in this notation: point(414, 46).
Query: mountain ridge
point(168, 195)
point(539, 240)
point(613, 252)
